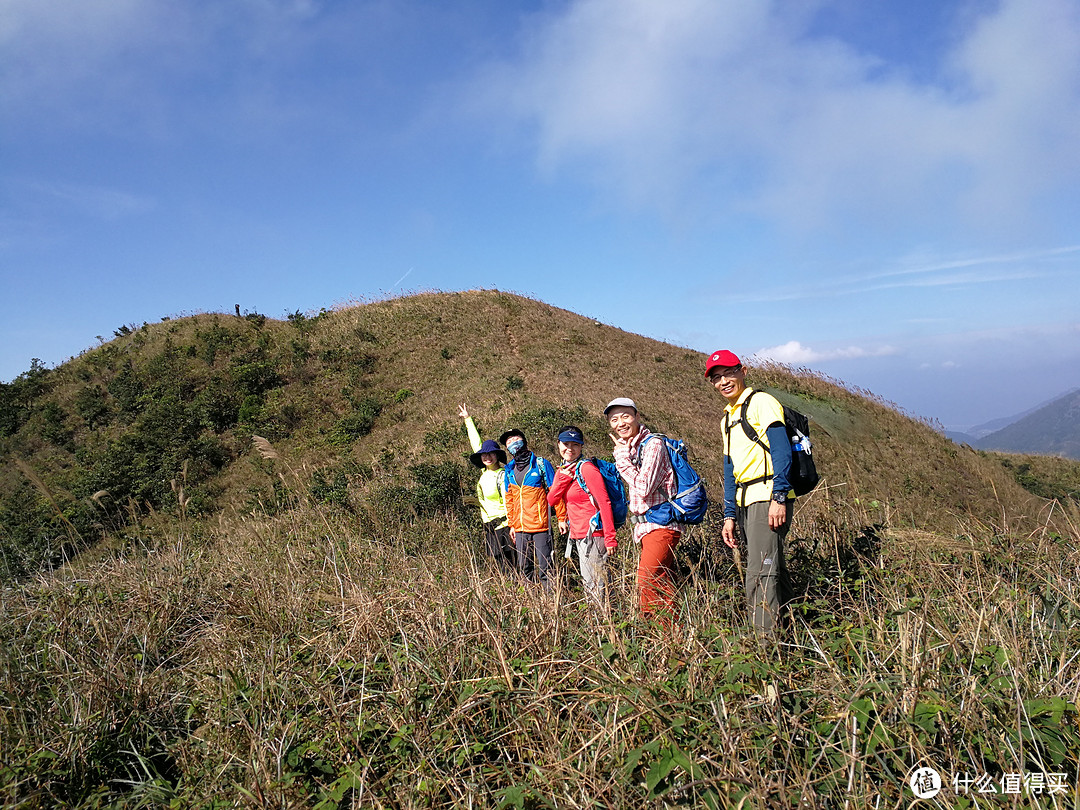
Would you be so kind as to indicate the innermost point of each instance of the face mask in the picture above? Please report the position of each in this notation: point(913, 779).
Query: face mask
point(514, 445)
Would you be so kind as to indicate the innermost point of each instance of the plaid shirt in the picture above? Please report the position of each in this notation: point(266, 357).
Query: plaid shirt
point(649, 483)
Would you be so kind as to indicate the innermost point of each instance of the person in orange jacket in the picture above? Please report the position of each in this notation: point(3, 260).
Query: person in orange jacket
point(528, 479)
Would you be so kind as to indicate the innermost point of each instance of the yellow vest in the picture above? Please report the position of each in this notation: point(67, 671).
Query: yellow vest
point(748, 458)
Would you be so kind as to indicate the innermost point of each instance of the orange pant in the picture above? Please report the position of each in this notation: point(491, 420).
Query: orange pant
point(656, 573)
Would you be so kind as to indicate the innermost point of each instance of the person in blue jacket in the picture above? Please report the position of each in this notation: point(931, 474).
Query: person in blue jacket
point(526, 484)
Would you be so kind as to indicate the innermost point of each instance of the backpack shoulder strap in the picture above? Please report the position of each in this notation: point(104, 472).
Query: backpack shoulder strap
point(748, 429)
point(540, 471)
point(579, 476)
point(641, 447)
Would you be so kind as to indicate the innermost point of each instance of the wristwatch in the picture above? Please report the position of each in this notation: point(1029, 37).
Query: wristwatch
point(780, 497)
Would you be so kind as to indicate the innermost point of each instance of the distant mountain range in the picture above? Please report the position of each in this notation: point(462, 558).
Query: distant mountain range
point(1052, 428)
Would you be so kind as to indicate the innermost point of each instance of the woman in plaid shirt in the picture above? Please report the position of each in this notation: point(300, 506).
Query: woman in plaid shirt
point(650, 481)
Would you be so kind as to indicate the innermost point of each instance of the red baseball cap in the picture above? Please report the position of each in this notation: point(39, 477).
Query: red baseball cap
point(721, 359)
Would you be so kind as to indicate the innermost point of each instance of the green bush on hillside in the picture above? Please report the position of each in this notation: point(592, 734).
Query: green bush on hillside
point(92, 405)
point(33, 537)
point(356, 424)
point(541, 426)
point(17, 397)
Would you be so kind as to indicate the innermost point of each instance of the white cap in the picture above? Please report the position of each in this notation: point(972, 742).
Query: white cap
point(620, 402)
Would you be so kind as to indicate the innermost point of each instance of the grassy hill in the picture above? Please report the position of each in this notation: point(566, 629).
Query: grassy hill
point(275, 597)
point(170, 409)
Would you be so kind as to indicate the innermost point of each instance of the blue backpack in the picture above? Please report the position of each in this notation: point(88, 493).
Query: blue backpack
point(616, 492)
point(691, 501)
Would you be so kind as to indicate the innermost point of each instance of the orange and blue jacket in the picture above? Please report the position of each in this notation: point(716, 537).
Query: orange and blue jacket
point(526, 503)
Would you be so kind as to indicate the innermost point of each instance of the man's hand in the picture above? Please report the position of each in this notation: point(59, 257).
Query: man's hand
point(618, 442)
point(463, 412)
point(728, 533)
point(563, 526)
point(777, 515)
point(513, 534)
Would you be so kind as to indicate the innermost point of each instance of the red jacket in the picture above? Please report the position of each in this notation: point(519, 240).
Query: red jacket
point(579, 507)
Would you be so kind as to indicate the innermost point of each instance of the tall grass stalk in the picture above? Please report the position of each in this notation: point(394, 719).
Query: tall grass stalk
point(299, 660)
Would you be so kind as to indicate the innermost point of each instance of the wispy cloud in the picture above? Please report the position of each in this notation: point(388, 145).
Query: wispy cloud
point(911, 273)
point(139, 66)
point(94, 201)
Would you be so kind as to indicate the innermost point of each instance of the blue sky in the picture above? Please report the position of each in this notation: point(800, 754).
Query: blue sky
point(887, 192)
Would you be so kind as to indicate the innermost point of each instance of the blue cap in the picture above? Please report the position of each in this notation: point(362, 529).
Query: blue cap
point(571, 435)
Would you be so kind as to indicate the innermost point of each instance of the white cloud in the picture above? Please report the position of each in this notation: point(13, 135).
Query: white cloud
point(793, 353)
point(735, 104)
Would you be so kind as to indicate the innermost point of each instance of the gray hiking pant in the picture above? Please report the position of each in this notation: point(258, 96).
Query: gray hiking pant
point(768, 587)
point(528, 543)
point(592, 557)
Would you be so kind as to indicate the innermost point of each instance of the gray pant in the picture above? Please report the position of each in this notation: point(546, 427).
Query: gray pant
point(526, 544)
point(592, 557)
point(768, 587)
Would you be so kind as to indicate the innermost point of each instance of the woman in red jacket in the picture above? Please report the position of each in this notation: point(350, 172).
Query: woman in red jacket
point(589, 522)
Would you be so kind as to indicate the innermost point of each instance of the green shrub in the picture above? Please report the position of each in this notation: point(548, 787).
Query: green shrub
point(17, 397)
point(141, 463)
point(437, 487)
point(92, 405)
point(11, 413)
point(356, 424)
point(330, 487)
point(54, 427)
point(255, 378)
point(27, 542)
point(218, 405)
point(127, 390)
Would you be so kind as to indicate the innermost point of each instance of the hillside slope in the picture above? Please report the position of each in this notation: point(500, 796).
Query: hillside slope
point(160, 421)
point(1053, 430)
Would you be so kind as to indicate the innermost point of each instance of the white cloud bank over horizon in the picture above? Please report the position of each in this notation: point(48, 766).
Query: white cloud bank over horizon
point(794, 353)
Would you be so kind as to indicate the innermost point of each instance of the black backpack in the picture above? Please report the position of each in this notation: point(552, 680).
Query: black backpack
point(803, 475)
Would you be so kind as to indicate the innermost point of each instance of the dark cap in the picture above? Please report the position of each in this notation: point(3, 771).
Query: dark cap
point(512, 432)
point(571, 434)
point(490, 446)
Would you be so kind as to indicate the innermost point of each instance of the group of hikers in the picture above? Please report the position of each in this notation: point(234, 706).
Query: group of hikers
point(518, 490)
